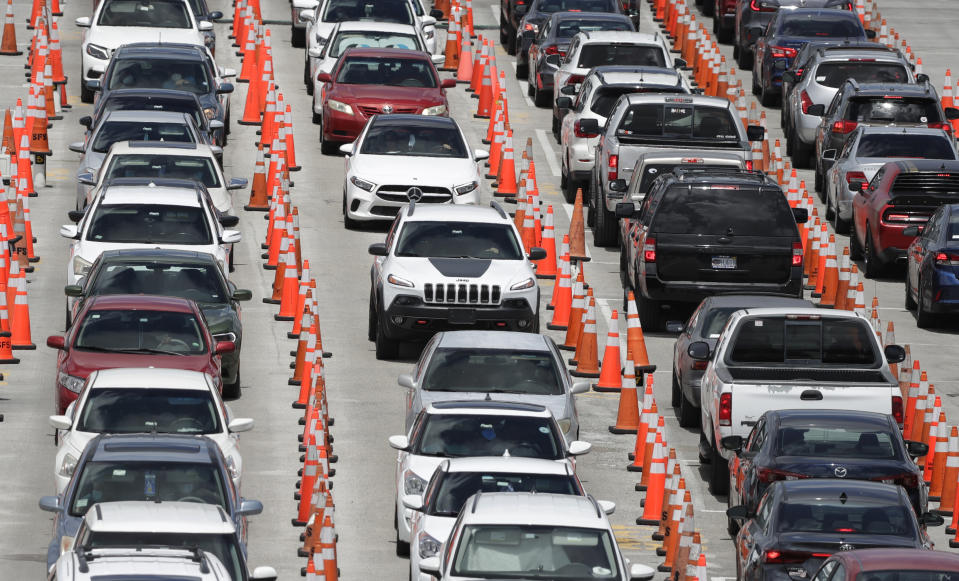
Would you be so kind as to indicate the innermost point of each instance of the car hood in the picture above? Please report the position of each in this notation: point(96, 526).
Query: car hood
point(438, 269)
point(555, 403)
point(438, 527)
point(413, 170)
point(376, 94)
point(80, 363)
point(219, 317)
point(113, 36)
point(422, 466)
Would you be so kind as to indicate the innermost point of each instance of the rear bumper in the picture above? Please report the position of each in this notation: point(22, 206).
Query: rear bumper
point(653, 288)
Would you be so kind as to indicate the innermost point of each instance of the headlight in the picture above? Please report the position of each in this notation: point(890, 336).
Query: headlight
point(429, 546)
point(81, 266)
point(393, 279)
point(68, 465)
point(466, 188)
point(362, 184)
point(565, 425)
point(231, 466)
point(98, 52)
point(428, 33)
point(74, 384)
point(210, 112)
point(437, 110)
point(413, 484)
point(338, 106)
point(230, 336)
point(528, 283)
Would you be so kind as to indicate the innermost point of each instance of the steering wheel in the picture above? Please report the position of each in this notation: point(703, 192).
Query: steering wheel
point(171, 343)
point(529, 385)
point(191, 499)
point(187, 422)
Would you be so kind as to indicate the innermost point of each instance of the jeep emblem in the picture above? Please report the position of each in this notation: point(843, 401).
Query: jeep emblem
point(414, 194)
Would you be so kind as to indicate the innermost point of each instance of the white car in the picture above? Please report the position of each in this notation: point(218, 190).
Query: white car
point(150, 216)
point(139, 564)
point(471, 428)
point(531, 535)
point(118, 22)
point(457, 479)
point(154, 159)
point(398, 158)
point(165, 401)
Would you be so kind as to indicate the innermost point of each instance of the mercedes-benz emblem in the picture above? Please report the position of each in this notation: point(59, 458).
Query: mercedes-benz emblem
point(387, 109)
point(414, 194)
point(840, 471)
point(846, 547)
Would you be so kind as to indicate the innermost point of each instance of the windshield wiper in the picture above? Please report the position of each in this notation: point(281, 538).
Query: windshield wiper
point(100, 349)
point(148, 350)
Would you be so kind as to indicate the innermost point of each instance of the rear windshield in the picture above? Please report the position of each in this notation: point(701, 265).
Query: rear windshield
point(570, 28)
point(456, 435)
point(819, 25)
point(846, 517)
point(595, 55)
point(906, 145)
point(714, 211)
point(893, 109)
point(181, 167)
point(160, 73)
point(836, 442)
point(493, 371)
point(368, 39)
point(836, 341)
point(679, 121)
point(835, 74)
point(381, 10)
point(139, 104)
point(654, 170)
point(145, 13)
point(604, 99)
point(459, 486)
point(114, 131)
point(550, 6)
point(147, 224)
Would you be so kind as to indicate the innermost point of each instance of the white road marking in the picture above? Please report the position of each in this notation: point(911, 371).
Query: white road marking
point(495, 10)
point(544, 141)
point(523, 86)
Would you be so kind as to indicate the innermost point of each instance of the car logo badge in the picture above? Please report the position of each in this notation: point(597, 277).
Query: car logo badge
point(840, 472)
point(414, 194)
point(387, 109)
point(846, 547)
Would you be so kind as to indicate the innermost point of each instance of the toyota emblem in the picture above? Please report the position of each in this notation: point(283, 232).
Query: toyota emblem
point(387, 109)
point(846, 547)
point(840, 471)
point(414, 194)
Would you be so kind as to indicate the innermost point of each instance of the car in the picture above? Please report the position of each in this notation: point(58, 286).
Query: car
point(868, 149)
point(706, 324)
point(445, 267)
point(553, 38)
point(513, 22)
point(533, 536)
point(471, 428)
point(888, 564)
point(805, 56)
point(594, 49)
point(202, 11)
point(797, 444)
point(368, 82)
point(171, 100)
point(539, 13)
point(753, 16)
point(115, 22)
point(138, 564)
point(595, 99)
point(820, 80)
point(902, 194)
point(931, 267)
point(495, 366)
point(169, 524)
point(686, 244)
point(135, 400)
point(152, 467)
point(146, 216)
point(455, 480)
point(134, 331)
point(855, 104)
point(724, 18)
point(403, 157)
point(800, 523)
point(186, 274)
point(786, 33)
point(656, 162)
point(182, 67)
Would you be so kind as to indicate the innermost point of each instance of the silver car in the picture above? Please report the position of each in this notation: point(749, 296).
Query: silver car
point(494, 365)
point(867, 150)
point(819, 81)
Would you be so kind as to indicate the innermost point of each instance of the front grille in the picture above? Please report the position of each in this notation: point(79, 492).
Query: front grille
point(370, 110)
point(431, 194)
point(930, 183)
point(461, 293)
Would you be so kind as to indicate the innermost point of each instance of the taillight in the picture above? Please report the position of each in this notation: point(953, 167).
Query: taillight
point(527, 26)
point(852, 176)
point(769, 475)
point(699, 365)
point(726, 409)
point(774, 556)
point(574, 79)
point(578, 131)
point(843, 126)
point(906, 480)
point(797, 253)
point(756, 6)
point(799, 73)
point(649, 250)
point(781, 52)
point(551, 49)
point(805, 102)
point(892, 215)
point(897, 409)
point(749, 165)
point(945, 259)
point(944, 126)
point(612, 167)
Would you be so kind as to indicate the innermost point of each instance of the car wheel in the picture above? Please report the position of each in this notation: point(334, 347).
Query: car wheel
point(86, 95)
point(703, 445)
point(801, 152)
point(924, 319)
point(402, 548)
point(677, 392)
point(838, 224)
point(503, 37)
point(872, 266)
point(230, 265)
point(766, 98)
point(708, 8)
point(606, 229)
point(855, 248)
point(724, 34)
point(718, 474)
point(522, 69)
point(590, 208)
point(298, 37)
point(688, 413)
point(327, 147)
point(371, 326)
point(386, 348)
point(910, 302)
point(745, 59)
point(819, 181)
point(541, 99)
point(649, 314)
point(732, 526)
point(232, 390)
point(569, 190)
point(511, 45)
point(556, 128)
point(756, 88)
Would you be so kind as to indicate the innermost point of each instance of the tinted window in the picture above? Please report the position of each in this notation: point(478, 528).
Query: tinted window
point(952, 232)
point(905, 145)
point(143, 224)
point(851, 517)
point(819, 25)
point(893, 109)
point(835, 441)
point(494, 371)
point(654, 170)
point(394, 72)
point(417, 140)
point(605, 98)
point(908, 575)
point(197, 282)
point(364, 39)
point(550, 6)
point(703, 210)
point(139, 104)
point(570, 28)
point(145, 13)
point(679, 120)
point(165, 411)
point(225, 546)
point(458, 240)
point(129, 331)
point(834, 74)
point(186, 167)
point(114, 131)
point(456, 435)
point(715, 320)
point(829, 341)
point(594, 55)
point(383, 10)
point(459, 486)
point(176, 74)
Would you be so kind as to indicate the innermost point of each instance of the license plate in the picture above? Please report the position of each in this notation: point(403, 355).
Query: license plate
point(724, 262)
point(462, 316)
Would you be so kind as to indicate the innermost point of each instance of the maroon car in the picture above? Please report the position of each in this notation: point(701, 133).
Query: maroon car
point(889, 565)
point(369, 81)
point(134, 331)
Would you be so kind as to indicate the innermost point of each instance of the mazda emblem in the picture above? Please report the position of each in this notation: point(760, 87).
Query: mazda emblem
point(414, 194)
point(387, 109)
point(846, 547)
point(840, 471)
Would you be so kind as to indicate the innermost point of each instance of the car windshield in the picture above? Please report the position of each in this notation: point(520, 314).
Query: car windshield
point(149, 224)
point(371, 39)
point(718, 211)
point(456, 435)
point(113, 131)
point(834, 74)
point(893, 109)
point(570, 28)
point(160, 73)
point(904, 574)
point(493, 371)
point(141, 331)
point(848, 517)
point(102, 481)
point(835, 442)
point(679, 120)
point(838, 341)
point(431, 140)
point(905, 145)
point(224, 546)
point(145, 13)
point(165, 411)
point(550, 6)
point(390, 71)
point(651, 171)
point(819, 26)
point(199, 282)
point(605, 98)
point(183, 167)
point(535, 552)
point(140, 103)
point(458, 240)
point(715, 320)
point(457, 487)
point(383, 10)
point(594, 55)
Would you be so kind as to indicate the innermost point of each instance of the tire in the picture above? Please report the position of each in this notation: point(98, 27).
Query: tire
point(732, 527)
point(872, 267)
point(718, 474)
point(606, 229)
point(756, 89)
point(838, 224)
point(402, 548)
point(688, 413)
point(298, 37)
point(819, 182)
point(503, 36)
point(327, 147)
point(677, 392)
point(766, 98)
point(231, 266)
point(724, 35)
point(649, 314)
point(910, 303)
point(744, 59)
point(232, 390)
point(86, 95)
point(66, 318)
point(556, 127)
point(569, 190)
point(541, 99)
point(510, 45)
point(924, 319)
point(317, 120)
point(386, 348)
point(530, 89)
point(708, 8)
point(522, 69)
point(703, 442)
point(855, 248)
point(590, 208)
point(801, 152)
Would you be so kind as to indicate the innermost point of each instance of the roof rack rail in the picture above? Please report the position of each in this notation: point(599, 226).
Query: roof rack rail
point(499, 209)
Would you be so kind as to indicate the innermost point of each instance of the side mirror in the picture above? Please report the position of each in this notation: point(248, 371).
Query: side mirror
point(86, 121)
point(308, 15)
point(237, 183)
point(675, 327)
point(870, 34)
point(553, 61)
point(447, 83)
point(241, 425)
point(790, 76)
point(204, 26)
point(608, 506)
point(224, 88)
point(732, 443)
point(857, 185)
point(324, 78)
point(640, 572)
point(430, 566)
point(680, 63)
point(911, 230)
point(93, 85)
point(816, 110)
point(536, 253)
point(738, 512)
point(215, 124)
point(401, 443)
point(480, 154)
point(73, 290)
point(412, 501)
point(894, 353)
point(564, 102)
point(56, 342)
point(75, 215)
point(224, 347)
point(61, 422)
point(228, 221)
point(242, 294)
point(315, 52)
point(231, 236)
point(699, 351)
point(951, 113)
point(931, 519)
point(801, 215)
point(263, 573)
point(438, 59)
point(214, 15)
point(76, 147)
point(249, 507)
point(83, 22)
point(69, 231)
point(917, 449)
point(618, 185)
point(922, 79)
point(829, 154)
point(346, 149)
point(568, 90)
point(579, 387)
point(49, 503)
point(87, 178)
point(406, 380)
point(755, 133)
point(428, 21)
point(437, 14)
point(625, 210)
point(578, 448)
point(378, 249)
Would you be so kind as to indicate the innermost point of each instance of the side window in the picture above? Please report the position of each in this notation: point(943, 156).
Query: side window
point(417, 426)
point(933, 226)
point(763, 512)
point(694, 318)
point(834, 103)
point(583, 96)
point(838, 573)
point(876, 180)
point(757, 438)
point(573, 47)
point(824, 571)
point(646, 210)
point(432, 487)
point(419, 368)
point(451, 542)
point(849, 147)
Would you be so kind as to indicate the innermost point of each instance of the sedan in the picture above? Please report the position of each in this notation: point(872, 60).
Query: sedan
point(171, 100)
point(541, 25)
point(137, 400)
point(399, 158)
point(932, 267)
point(890, 565)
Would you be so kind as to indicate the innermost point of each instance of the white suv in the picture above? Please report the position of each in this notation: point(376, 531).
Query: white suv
point(450, 267)
point(139, 564)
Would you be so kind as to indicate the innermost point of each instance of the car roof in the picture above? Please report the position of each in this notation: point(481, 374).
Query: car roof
point(374, 25)
point(151, 378)
point(629, 36)
point(173, 256)
point(758, 300)
point(905, 89)
point(408, 119)
point(868, 49)
point(161, 148)
point(455, 213)
point(902, 559)
point(819, 489)
point(403, 53)
point(731, 175)
point(693, 99)
point(501, 340)
point(144, 302)
point(151, 94)
point(611, 16)
point(146, 115)
point(510, 464)
point(510, 508)
point(809, 311)
point(847, 417)
point(158, 517)
point(166, 50)
point(153, 447)
point(490, 408)
point(148, 563)
point(146, 195)
point(827, 13)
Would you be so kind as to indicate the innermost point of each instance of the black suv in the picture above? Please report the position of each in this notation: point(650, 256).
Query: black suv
point(855, 104)
point(702, 232)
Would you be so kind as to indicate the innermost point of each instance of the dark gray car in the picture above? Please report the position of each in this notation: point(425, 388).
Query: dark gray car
point(752, 16)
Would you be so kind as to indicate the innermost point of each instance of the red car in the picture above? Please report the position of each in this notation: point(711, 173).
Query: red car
point(370, 81)
point(889, 565)
point(901, 194)
point(134, 331)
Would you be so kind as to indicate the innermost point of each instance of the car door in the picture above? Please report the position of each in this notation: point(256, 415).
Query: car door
point(925, 244)
point(748, 475)
point(822, 133)
point(751, 536)
point(680, 356)
point(835, 177)
point(861, 206)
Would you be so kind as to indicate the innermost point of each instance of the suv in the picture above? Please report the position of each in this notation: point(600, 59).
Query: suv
point(642, 123)
point(901, 194)
point(598, 94)
point(858, 104)
point(752, 17)
point(699, 233)
point(136, 563)
point(818, 81)
point(447, 267)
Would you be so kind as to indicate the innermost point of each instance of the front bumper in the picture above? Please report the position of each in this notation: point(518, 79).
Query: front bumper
point(377, 205)
point(340, 126)
point(420, 319)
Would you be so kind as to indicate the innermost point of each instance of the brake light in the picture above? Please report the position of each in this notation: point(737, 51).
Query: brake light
point(805, 101)
point(944, 259)
point(783, 557)
point(906, 480)
point(852, 176)
point(612, 167)
point(782, 52)
point(769, 475)
point(797, 254)
point(757, 6)
point(699, 365)
point(726, 409)
point(890, 215)
point(749, 165)
point(799, 73)
point(578, 132)
point(897, 409)
point(649, 250)
point(944, 126)
point(574, 79)
point(551, 49)
point(843, 126)
point(527, 26)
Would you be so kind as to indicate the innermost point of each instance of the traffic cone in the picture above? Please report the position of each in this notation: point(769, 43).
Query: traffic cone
point(930, 431)
point(20, 321)
point(328, 540)
point(573, 323)
point(635, 342)
point(290, 287)
point(464, 71)
point(678, 525)
point(842, 286)
point(452, 50)
point(657, 429)
point(28, 232)
point(919, 410)
point(546, 268)
point(306, 343)
point(587, 361)
point(673, 476)
point(611, 373)
point(303, 299)
point(912, 402)
point(24, 168)
point(485, 106)
point(8, 45)
point(577, 231)
point(939, 455)
point(506, 182)
point(646, 406)
point(259, 198)
point(627, 413)
point(950, 477)
point(830, 281)
point(562, 297)
point(252, 112)
point(655, 486)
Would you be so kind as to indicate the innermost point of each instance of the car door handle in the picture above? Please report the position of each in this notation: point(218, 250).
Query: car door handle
point(811, 395)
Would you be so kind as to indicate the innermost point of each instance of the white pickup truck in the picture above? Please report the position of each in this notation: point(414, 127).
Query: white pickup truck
point(784, 358)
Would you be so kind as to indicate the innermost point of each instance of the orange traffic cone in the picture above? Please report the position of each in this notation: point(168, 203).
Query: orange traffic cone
point(8, 45)
point(635, 342)
point(577, 231)
point(646, 406)
point(938, 456)
point(506, 176)
point(562, 297)
point(577, 306)
point(627, 414)
point(655, 486)
point(485, 106)
point(587, 360)
point(20, 323)
point(465, 70)
point(950, 477)
point(290, 286)
point(611, 374)
point(546, 268)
